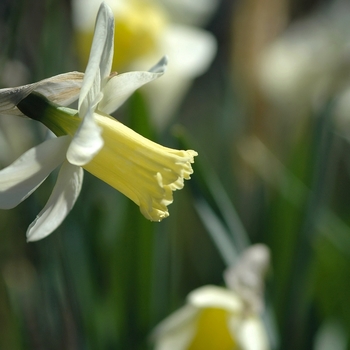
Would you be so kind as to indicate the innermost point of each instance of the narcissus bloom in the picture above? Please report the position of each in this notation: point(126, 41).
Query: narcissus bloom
point(219, 318)
point(213, 318)
point(89, 138)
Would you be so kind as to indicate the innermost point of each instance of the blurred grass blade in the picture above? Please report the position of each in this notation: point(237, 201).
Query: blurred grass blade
point(217, 231)
point(205, 184)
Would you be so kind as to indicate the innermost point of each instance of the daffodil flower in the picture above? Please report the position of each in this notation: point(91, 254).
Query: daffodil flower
point(89, 138)
point(213, 318)
point(221, 318)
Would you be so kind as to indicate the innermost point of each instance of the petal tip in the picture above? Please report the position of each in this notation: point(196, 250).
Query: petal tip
point(161, 66)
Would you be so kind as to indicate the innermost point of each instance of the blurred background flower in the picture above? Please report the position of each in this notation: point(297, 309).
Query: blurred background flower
point(222, 318)
point(148, 30)
point(309, 63)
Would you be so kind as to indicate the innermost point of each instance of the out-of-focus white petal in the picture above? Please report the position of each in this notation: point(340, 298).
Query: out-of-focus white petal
point(86, 142)
point(246, 276)
point(121, 86)
point(177, 330)
point(215, 297)
point(22, 177)
point(10, 97)
point(191, 50)
point(60, 203)
point(250, 333)
point(62, 89)
point(100, 60)
point(189, 11)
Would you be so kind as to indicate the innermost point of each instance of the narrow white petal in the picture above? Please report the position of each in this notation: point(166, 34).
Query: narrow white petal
point(86, 142)
point(249, 332)
point(60, 203)
point(121, 86)
point(22, 177)
point(100, 60)
point(62, 89)
point(160, 66)
point(10, 97)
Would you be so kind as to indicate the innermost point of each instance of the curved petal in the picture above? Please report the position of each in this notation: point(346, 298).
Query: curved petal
point(190, 49)
point(10, 97)
point(215, 297)
point(100, 60)
point(22, 177)
point(86, 142)
point(62, 89)
point(177, 330)
point(121, 86)
point(60, 203)
point(249, 332)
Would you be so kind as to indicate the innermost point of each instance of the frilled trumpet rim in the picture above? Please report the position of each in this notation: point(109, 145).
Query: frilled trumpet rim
point(141, 169)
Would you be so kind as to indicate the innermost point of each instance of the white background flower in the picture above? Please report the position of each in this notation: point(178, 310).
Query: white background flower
point(222, 318)
point(190, 49)
point(238, 328)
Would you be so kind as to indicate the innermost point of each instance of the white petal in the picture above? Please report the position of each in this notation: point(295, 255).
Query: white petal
point(60, 203)
point(189, 11)
point(22, 177)
point(191, 50)
point(246, 276)
point(177, 330)
point(160, 66)
point(121, 86)
point(86, 142)
point(100, 60)
point(62, 89)
point(250, 333)
point(10, 97)
point(217, 297)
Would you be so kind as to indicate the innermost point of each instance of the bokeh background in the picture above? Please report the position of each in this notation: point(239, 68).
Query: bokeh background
point(270, 119)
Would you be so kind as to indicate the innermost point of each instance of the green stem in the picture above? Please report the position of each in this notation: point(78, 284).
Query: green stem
point(61, 121)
